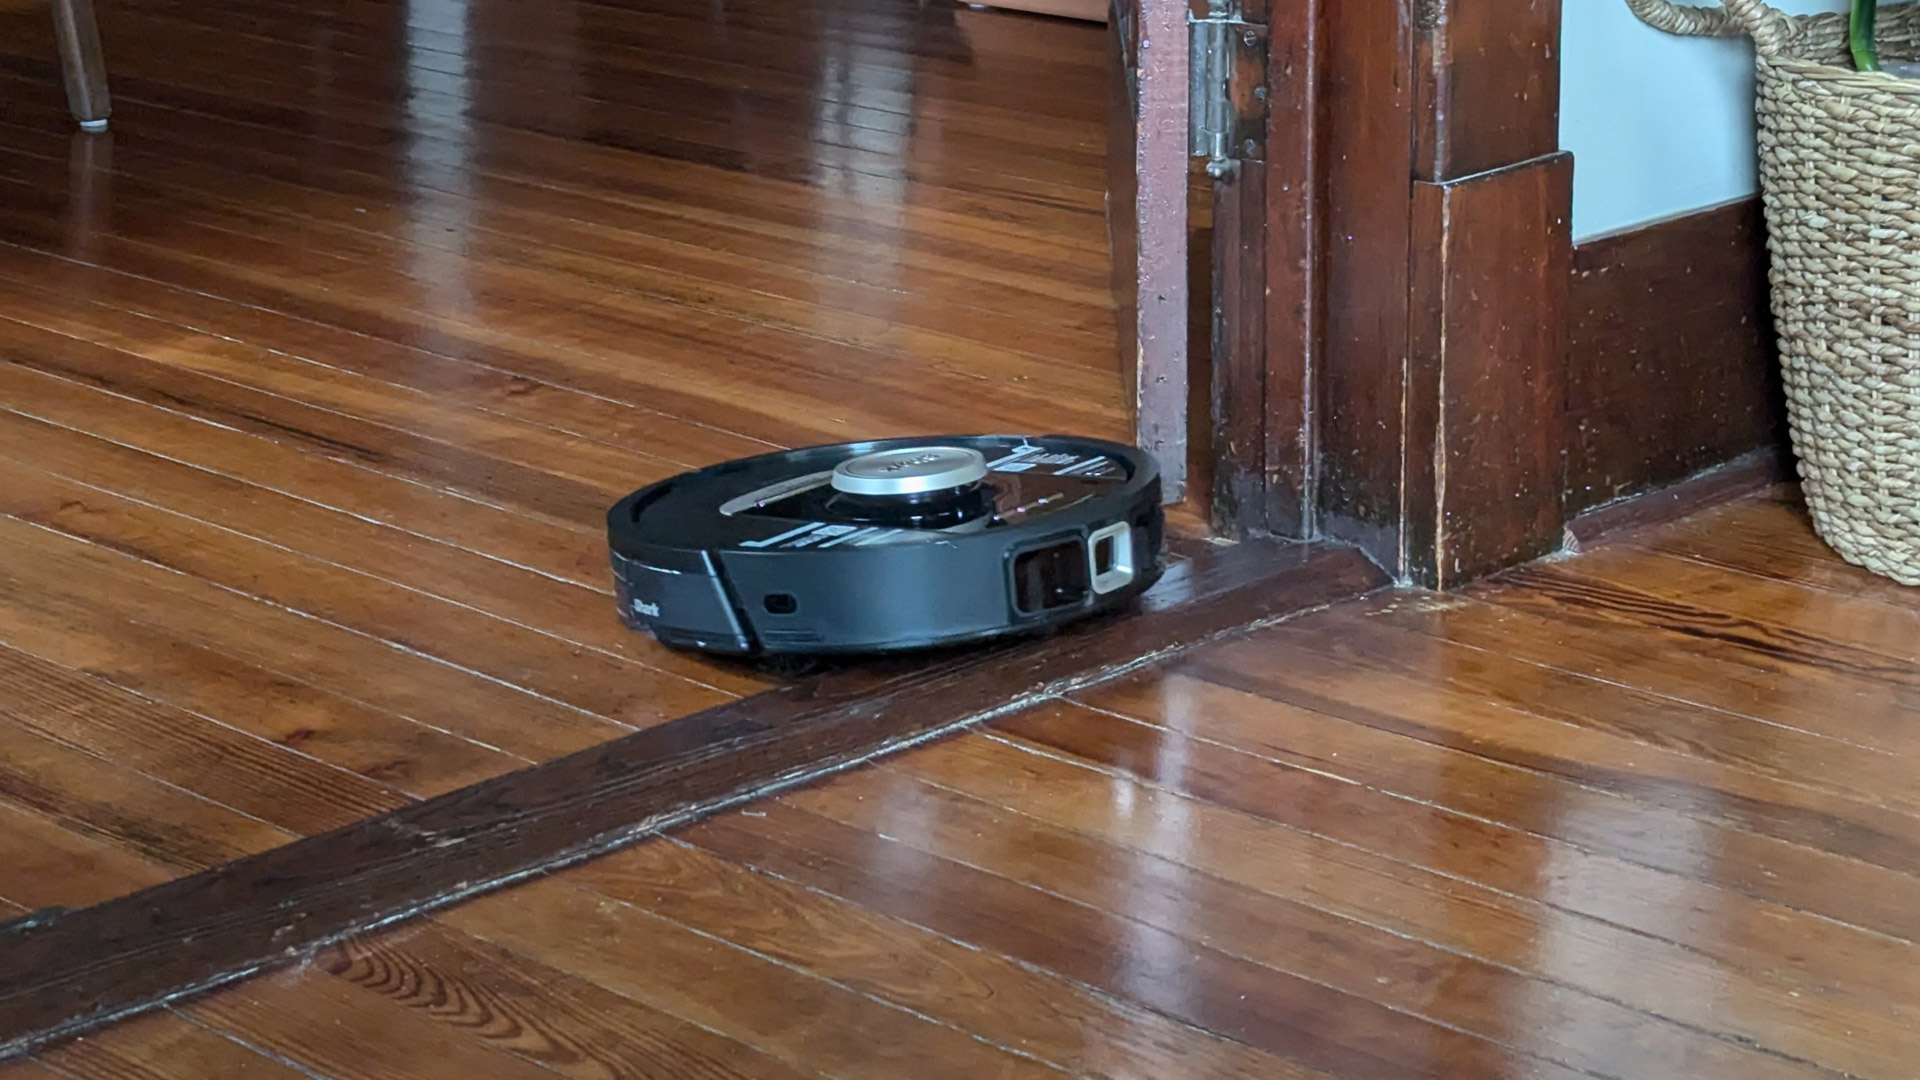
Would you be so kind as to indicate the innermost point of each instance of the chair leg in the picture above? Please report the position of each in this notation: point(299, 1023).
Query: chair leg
point(81, 59)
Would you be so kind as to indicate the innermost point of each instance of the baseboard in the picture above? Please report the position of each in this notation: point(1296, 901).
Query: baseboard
point(1671, 362)
point(1744, 475)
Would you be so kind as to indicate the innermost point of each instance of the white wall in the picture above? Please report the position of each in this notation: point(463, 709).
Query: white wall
point(1658, 125)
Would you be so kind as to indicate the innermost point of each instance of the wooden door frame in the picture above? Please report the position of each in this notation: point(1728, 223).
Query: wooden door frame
point(1391, 268)
point(1147, 225)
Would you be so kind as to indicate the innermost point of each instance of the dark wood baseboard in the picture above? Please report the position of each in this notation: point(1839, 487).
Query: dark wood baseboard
point(64, 972)
point(1744, 475)
point(1671, 364)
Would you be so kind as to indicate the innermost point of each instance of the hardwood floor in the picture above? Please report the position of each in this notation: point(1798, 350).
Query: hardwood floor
point(315, 379)
point(318, 373)
point(1641, 813)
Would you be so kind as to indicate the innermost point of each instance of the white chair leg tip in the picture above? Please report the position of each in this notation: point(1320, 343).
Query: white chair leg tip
point(93, 126)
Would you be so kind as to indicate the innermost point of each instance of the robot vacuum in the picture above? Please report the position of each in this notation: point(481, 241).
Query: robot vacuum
point(888, 546)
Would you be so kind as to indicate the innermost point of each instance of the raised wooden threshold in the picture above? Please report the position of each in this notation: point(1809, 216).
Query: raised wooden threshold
point(61, 972)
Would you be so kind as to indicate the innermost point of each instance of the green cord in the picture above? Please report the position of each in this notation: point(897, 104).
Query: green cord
point(1866, 54)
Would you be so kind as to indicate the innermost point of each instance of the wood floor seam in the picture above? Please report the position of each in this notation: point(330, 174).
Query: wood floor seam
point(450, 664)
point(637, 407)
point(1707, 706)
point(1444, 948)
point(354, 571)
point(807, 973)
point(1332, 771)
point(1725, 955)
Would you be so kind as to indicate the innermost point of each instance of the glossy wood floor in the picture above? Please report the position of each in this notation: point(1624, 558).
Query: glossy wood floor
point(1644, 813)
point(318, 374)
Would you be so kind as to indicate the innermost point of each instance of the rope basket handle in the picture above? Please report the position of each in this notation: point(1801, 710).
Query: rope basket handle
point(1770, 28)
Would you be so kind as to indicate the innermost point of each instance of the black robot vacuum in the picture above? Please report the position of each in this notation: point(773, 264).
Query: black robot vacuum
point(888, 546)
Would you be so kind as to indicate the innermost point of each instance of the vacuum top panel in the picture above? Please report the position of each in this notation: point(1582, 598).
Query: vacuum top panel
point(866, 494)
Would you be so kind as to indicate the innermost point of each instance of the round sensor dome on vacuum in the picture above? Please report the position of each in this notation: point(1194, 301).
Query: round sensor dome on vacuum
point(911, 471)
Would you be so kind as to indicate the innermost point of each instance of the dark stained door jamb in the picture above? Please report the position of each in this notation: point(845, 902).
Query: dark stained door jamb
point(1414, 244)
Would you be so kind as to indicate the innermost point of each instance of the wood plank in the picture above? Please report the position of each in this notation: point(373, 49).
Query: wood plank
point(878, 26)
point(630, 686)
point(1827, 761)
point(370, 37)
point(326, 1027)
point(1041, 1015)
point(1870, 627)
point(540, 1014)
point(832, 837)
point(165, 1046)
point(385, 747)
point(998, 878)
point(579, 186)
point(521, 61)
point(318, 430)
point(522, 204)
point(1541, 802)
point(1011, 210)
point(47, 865)
point(786, 1012)
point(1066, 170)
point(603, 344)
point(110, 301)
point(1053, 1019)
point(486, 530)
point(1676, 781)
point(187, 751)
point(1772, 540)
point(1755, 638)
point(40, 563)
point(962, 187)
point(496, 831)
point(562, 608)
point(97, 797)
point(1555, 627)
point(1661, 978)
point(559, 231)
point(637, 273)
point(569, 456)
point(1742, 934)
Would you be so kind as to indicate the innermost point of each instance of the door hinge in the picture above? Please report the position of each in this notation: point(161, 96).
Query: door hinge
point(1227, 106)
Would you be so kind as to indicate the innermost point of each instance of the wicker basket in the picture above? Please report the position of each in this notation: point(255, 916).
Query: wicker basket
point(1840, 176)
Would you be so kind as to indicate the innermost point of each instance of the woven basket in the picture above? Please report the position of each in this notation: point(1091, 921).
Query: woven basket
point(1840, 176)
